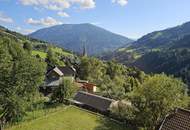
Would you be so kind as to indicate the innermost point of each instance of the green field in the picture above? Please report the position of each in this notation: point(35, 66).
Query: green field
point(60, 51)
point(69, 118)
point(40, 53)
point(55, 49)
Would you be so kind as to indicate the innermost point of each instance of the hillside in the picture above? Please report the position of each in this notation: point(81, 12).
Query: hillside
point(39, 47)
point(155, 41)
point(161, 39)
point(75, 36)
point(17, 36)
point(161, 51)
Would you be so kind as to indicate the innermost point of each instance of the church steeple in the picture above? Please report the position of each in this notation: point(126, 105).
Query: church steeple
point(84, 49)
point(84, 53)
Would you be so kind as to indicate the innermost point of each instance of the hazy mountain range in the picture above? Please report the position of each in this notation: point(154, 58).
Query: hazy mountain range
point(77, 36)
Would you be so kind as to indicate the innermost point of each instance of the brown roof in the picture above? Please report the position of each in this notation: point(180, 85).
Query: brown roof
point(179, 120)
point(87, 85)
point(97, 102)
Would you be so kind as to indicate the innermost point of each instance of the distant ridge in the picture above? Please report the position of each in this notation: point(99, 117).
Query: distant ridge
point(165, 51)
point(75, 36)
point(171, 38)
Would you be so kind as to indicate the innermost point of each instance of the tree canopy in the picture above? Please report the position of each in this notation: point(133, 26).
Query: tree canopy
point(157, 96)
point(21, 75)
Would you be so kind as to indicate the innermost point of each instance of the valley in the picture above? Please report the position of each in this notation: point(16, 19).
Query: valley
point(161, 51)
point(94, 65)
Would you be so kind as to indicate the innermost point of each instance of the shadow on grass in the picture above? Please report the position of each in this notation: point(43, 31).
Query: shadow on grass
point(107, 124)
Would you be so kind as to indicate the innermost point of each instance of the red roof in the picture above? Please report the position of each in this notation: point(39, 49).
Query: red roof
point(87, 86)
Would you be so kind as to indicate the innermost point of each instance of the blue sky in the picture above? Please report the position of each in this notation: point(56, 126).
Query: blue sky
point(131, 18)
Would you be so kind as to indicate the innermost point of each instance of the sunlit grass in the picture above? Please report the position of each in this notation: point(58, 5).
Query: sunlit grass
point(60, 51)
point(40, 53)
point(69, 118)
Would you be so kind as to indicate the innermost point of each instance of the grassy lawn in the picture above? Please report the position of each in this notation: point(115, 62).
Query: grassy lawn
point(40, 53)
point(69, 118)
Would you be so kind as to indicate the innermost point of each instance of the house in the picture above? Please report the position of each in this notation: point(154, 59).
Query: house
point(54, 77)
point(86, 86)
point(54, 73)
point(178, 120)
point(89, 87)
point(93, 102)
point(52, 80)
point(68, 71)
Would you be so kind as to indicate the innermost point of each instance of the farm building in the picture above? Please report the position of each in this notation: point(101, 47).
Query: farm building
point(86, 86)
point(68, 71)
point(54, 73)
point(57, 72)
point(54, 77)
point(178, 120)
point(93, 102)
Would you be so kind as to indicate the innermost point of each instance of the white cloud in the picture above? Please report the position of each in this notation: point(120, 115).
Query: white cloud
point(85, 4)
point(28, 31)
point(48, 21)
point(121, 2)
point(5, 19)
point(59, 5)
point(48, 4)
point(63, 14)
point(24, 31)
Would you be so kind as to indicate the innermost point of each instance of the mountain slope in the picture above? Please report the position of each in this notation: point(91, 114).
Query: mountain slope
point(155, 41)
point(175, 62)
point(39, 47)
point(76, 36)
point(165, 51)
point(161, 39)
point(4, 32)
point(169, 60)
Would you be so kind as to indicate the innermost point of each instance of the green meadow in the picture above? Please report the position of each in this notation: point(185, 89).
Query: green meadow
point(40, 53)
point(69, 118)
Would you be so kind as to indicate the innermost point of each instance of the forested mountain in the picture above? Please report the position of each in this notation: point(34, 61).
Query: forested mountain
point(161, 39)
point(155, 41)
point(77, 36)
point(175, 60)
point(161, 51)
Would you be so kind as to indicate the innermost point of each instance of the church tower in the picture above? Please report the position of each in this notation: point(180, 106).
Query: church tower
point(84, 53)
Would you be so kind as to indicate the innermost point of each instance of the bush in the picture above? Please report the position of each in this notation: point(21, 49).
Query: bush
point(65, 90)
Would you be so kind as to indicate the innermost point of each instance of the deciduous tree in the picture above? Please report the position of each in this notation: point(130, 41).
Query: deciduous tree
point(157, 96)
